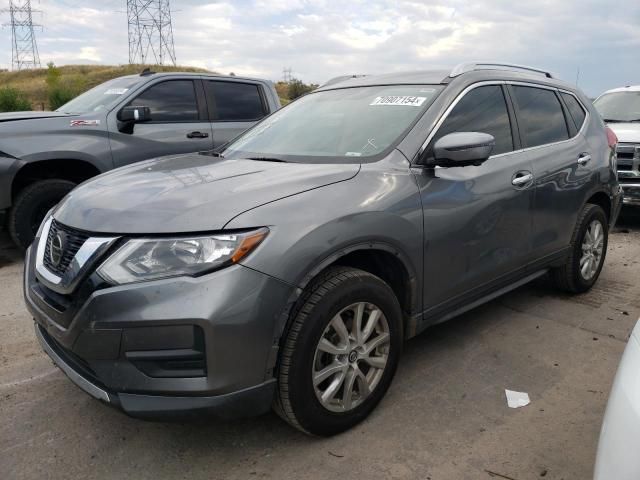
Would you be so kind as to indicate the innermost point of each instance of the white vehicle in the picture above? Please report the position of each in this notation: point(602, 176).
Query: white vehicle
point(620, 109)
point(618, 457)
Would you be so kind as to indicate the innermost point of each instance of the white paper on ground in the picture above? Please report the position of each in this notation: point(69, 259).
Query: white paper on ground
point(517, 399)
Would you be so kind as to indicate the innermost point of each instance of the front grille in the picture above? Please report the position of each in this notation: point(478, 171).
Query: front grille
point(625, 155)
point(73, 240)
point(626, 151)
point(624, 166)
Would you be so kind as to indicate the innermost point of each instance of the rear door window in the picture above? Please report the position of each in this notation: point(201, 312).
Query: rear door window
point(170, 101)
point(234, 101)
point(575, 109)
point(483, 109)
point(540, 116)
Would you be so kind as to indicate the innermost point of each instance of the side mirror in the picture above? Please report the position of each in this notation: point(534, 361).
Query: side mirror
point(461, 149)
point(133, 114)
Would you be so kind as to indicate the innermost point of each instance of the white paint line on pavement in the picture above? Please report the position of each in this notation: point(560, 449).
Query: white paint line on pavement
point(28, 380)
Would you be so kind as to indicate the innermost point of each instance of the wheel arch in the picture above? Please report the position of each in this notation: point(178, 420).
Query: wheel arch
point(381, 259)
point(75, 170)
point(603, 200)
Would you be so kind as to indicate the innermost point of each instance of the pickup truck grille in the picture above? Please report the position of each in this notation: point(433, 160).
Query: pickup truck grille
point(72, 240)
point(628, 162)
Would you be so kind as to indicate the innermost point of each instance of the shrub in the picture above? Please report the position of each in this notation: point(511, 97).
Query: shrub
point(297, 89)
point(59, 95)
point(13, 100)
point(62, 90)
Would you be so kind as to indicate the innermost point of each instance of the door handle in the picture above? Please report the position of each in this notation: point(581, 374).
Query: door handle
point(584, 158)
point(197, 135)
point(521, 179)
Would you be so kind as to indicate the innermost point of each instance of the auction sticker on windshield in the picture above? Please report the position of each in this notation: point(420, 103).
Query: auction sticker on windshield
point(405, 100)
point(116, 91)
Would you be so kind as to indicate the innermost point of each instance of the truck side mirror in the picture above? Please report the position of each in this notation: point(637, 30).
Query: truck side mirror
point(134, 114)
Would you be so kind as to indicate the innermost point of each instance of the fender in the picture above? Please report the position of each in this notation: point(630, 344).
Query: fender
point(411, 319)
point(606, 191)
point(64, 155)
point(314, 270)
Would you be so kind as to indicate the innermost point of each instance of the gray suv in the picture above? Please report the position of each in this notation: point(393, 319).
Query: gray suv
point(43, 155)
point(288, 269)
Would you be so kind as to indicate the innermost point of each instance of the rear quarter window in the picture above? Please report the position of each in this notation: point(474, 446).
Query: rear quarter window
point(540, 116)
point(576, 111)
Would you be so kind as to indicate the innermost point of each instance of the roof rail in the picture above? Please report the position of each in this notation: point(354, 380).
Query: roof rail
point(468, 67)
point(342, 78)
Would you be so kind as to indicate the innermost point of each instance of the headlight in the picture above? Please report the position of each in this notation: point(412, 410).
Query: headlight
point(143, 259)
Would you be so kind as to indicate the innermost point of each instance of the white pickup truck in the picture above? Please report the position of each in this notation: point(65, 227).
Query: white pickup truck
point(620, 109)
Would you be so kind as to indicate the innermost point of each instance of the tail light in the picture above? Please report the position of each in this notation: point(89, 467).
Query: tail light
point(611, 138)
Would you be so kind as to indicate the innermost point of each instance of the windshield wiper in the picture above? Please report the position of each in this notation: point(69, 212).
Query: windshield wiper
point(212, 153)
point(267, 159)
point(617, 120)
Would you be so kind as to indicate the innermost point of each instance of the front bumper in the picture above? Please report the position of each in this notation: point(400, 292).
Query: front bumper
point(107, 341)
point(631, 193)
point(250, 401)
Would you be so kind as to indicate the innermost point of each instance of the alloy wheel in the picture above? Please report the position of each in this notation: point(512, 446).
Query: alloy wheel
point(592, 249)
point(351, 357)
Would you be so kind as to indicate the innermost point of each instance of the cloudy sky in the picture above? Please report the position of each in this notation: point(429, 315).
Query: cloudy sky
point(319, 39)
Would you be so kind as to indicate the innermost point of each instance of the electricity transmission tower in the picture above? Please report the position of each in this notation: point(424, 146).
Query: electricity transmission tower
point(150, 32)
point(24, 50)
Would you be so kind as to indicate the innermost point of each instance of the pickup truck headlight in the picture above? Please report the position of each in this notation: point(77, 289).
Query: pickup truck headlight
point(143, 259)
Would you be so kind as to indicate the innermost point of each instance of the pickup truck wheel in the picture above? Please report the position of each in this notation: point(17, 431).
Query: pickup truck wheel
point(30, 207)
point(340, 352)
point(588, 250)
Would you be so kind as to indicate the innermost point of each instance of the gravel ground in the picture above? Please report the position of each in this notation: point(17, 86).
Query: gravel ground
point(445, 416)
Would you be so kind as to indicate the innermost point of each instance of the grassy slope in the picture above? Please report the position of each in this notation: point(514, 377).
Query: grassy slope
point(32, 82)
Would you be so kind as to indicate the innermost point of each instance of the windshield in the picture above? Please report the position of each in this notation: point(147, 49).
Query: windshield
point(336, 125)
point(619, 106)
point(99, 98)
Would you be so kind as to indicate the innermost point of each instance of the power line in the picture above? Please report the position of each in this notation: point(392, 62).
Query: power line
point(24, 49)
point(287, 74)
point(150, 32)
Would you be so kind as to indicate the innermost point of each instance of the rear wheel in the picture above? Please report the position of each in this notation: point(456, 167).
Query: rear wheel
point(340, 353)
point(30, 207)
point(588, 251)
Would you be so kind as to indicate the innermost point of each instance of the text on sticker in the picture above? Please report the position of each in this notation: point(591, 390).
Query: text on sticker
point(399, 100)
point(116, 91)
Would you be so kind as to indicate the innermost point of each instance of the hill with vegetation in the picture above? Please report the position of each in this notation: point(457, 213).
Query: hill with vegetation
point(51, 87)
point(48, 88)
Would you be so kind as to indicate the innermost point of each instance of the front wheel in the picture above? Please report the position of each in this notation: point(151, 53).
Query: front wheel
point(30, 207)
point(588, 251)
point(340, 352)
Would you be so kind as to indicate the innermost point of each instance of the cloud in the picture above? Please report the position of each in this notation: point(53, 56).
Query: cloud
point(320, 39)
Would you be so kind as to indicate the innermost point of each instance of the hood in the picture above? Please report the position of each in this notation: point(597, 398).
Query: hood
point(626, 132)
point(11, 116)
point(188, 193)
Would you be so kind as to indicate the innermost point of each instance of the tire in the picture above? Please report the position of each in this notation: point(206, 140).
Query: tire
point(570, 277)
point(30, 207)
point(339, 291)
